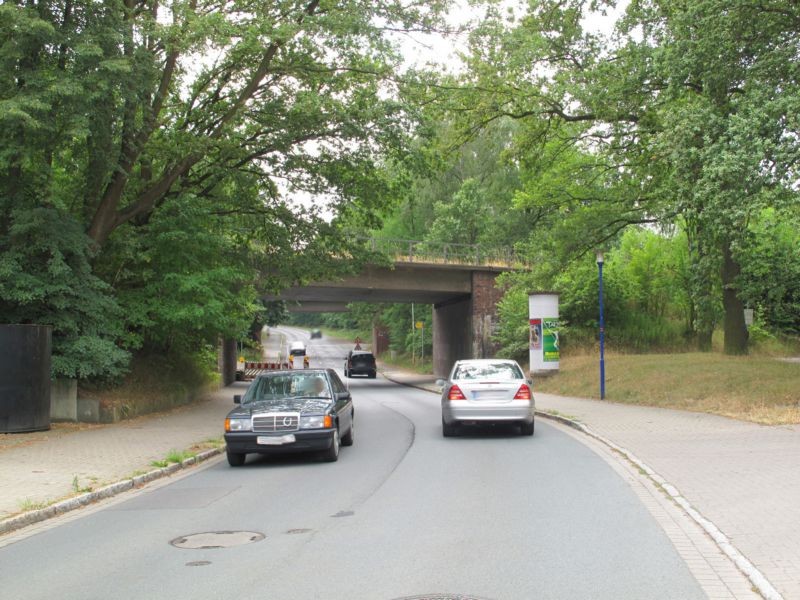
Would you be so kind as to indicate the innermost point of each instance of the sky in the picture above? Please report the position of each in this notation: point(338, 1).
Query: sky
point(440, 50)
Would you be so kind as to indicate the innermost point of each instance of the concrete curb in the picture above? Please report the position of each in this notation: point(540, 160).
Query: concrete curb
point(70, 504)
point(755, 576)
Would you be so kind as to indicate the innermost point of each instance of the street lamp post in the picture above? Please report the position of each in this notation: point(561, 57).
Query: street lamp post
point(602, 329)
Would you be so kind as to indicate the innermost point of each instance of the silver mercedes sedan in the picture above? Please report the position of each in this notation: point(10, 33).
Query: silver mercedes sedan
point(486, 391)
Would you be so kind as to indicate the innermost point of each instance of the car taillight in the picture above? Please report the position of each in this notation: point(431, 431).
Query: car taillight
point(456, 394)
point(523, 393)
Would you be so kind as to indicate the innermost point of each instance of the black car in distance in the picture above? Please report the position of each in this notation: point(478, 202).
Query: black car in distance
point(290, 411)
point(360, 362)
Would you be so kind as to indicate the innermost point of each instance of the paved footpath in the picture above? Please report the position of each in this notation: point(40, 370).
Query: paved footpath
point(743, 477)
point(38, 468)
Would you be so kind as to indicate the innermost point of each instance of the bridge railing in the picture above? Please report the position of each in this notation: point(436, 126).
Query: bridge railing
point(444, 253)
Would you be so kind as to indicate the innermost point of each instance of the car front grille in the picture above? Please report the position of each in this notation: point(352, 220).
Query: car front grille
point(276, 422)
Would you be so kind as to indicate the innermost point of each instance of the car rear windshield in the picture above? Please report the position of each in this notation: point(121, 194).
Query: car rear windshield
point(488, 371)
point(362, 359)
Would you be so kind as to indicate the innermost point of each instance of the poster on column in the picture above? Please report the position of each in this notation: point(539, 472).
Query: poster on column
point(536, 334)
point(543, 323)
point(550, 335)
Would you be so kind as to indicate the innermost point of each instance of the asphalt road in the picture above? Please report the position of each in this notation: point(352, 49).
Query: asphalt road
point(404, 512)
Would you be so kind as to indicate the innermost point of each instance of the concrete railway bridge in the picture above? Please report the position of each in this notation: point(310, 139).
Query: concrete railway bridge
point(457, 279)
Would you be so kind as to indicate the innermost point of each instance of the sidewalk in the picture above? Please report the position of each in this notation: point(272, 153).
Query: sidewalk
point(39, 468)
point(743, 477)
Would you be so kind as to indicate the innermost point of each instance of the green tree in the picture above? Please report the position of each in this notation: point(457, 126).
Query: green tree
point(689, 111)
point(176, 136)
point(770, 278)
point(46, 279)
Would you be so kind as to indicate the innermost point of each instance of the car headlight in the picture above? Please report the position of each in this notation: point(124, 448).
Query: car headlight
point(237, 424)
point(316, 422)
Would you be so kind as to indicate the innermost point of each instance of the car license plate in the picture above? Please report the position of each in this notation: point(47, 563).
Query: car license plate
point(490, 395)
point(267, 440)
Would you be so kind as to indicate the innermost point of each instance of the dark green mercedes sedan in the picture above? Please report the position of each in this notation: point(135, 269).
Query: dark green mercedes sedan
point(291, 411)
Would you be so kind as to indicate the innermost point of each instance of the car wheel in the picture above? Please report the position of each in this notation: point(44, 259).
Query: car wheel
point(347, 373)
point(332, 453)
point(235, 459)
point(347, 439)
point(448, 429)
point(373, 375)
point(526, 428)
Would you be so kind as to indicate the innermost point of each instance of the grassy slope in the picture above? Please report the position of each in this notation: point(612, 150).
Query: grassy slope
point(752, 388)
point(156, 383)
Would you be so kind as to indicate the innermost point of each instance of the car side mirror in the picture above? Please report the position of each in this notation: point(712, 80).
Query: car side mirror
point(441, 383)
point(343, 396)
point(237, 399)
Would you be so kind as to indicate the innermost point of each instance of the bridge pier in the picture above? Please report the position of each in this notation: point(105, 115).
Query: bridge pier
point(463, 328)
point(451, 334)
point(380, 339)
point(485, 297)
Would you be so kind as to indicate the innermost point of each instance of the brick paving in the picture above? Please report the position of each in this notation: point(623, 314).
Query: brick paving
point(743, 477)
point(42, 467)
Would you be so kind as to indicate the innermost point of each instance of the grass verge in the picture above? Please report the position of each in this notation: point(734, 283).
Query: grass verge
point(349, 335)
point(173, 456)
point(750, 388)
point(406, 363)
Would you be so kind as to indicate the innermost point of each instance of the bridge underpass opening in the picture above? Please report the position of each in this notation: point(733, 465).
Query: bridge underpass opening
point(464, 301)
point(456, 279)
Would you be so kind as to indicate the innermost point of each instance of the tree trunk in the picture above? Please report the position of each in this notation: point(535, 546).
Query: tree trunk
point(702, 306)
point(736, 334)
point(704, 340)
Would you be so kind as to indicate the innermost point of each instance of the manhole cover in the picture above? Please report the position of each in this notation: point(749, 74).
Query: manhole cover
point(216, 539)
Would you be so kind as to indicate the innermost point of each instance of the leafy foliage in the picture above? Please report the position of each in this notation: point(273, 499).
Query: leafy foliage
point(46, 279)
point(183, 139)
point(684, 117)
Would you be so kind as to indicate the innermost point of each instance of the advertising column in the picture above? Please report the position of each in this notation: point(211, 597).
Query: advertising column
point(543, 322)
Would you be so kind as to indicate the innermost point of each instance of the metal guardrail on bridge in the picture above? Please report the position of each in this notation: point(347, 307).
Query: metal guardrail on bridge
point(446, 253)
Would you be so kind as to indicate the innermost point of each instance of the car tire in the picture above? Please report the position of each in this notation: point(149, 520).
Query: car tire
point(373, 375)
point(332, 453)
point(348, 438)
point(526, 428)
point(448, 429)
point(347, 373)
point(235, 459)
